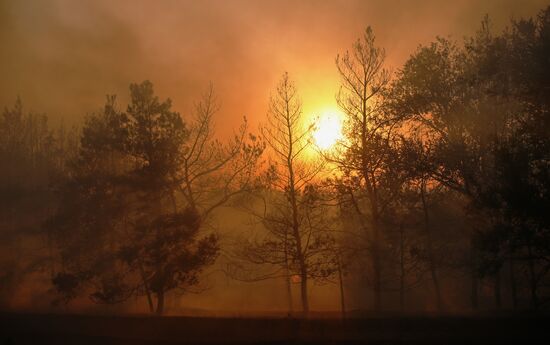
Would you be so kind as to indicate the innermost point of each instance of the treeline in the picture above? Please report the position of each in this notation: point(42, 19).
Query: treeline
point(437, 197)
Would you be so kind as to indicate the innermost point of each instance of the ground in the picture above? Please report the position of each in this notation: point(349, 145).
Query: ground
point(18, 329)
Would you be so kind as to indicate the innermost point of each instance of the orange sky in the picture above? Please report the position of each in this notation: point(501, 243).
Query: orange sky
point(62, 57)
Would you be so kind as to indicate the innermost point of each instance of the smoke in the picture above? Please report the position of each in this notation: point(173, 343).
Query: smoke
point(62, 57)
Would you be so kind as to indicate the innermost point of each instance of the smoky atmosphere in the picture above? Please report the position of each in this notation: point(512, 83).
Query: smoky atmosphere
point(274, 172)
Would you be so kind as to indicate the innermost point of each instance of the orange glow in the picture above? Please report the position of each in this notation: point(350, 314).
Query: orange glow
point(328, 129)
point(296, 279)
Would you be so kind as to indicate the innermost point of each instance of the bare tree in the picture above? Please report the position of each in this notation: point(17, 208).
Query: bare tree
point(213, 172)
point(361, 156)
point(292, 213)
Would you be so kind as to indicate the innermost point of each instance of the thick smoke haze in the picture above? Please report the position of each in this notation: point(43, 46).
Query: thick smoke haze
point(62, 57)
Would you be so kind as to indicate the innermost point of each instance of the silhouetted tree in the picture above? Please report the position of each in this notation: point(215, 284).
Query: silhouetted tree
point(117, 230)
point(292, 213)
point(362, 155)
point(482, 106)
point(213, 173)
point(30, 152)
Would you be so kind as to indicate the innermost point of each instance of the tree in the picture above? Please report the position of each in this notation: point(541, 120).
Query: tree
point(31, 154)
point(481, 104)
point(168, 254)
point(213, 173)
point(118, 231)
point(420, 192)
point(292, 215)
point(361, 158)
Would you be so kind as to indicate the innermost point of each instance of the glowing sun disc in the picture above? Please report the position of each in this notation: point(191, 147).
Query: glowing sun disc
point(328, 131)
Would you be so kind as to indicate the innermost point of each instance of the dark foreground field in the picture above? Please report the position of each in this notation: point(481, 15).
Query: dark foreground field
point(80, 329)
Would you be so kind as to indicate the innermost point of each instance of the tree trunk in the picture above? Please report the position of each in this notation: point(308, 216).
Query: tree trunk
point(303, 286)
point(143, 277)
point(160, 302)
point(402, 269)
point(300, 254)
point(474, 297)
point(375, 253)
point(474, 275)
point(532, 278)
point(51, 254)
point(289, 294)
point(431, 255)
point(373, 199)
point(498, 300)
point(288, 290)
point(377, 279)
point(146, 286)
point(295, 223)
point(373, 245)
point(513, 286)
point(287, 277)
point(341, 283)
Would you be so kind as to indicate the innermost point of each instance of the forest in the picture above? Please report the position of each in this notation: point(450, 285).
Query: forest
point(432, 197)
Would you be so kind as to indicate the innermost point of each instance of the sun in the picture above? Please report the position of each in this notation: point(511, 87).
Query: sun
point(328, 130)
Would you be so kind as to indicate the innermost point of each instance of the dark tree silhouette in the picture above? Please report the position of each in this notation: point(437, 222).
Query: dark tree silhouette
point(32, 156)
point(118, 234)
point(481, 106)
point(439, 190)
point(362, 158)
point(213, 173)
point(292, 213)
